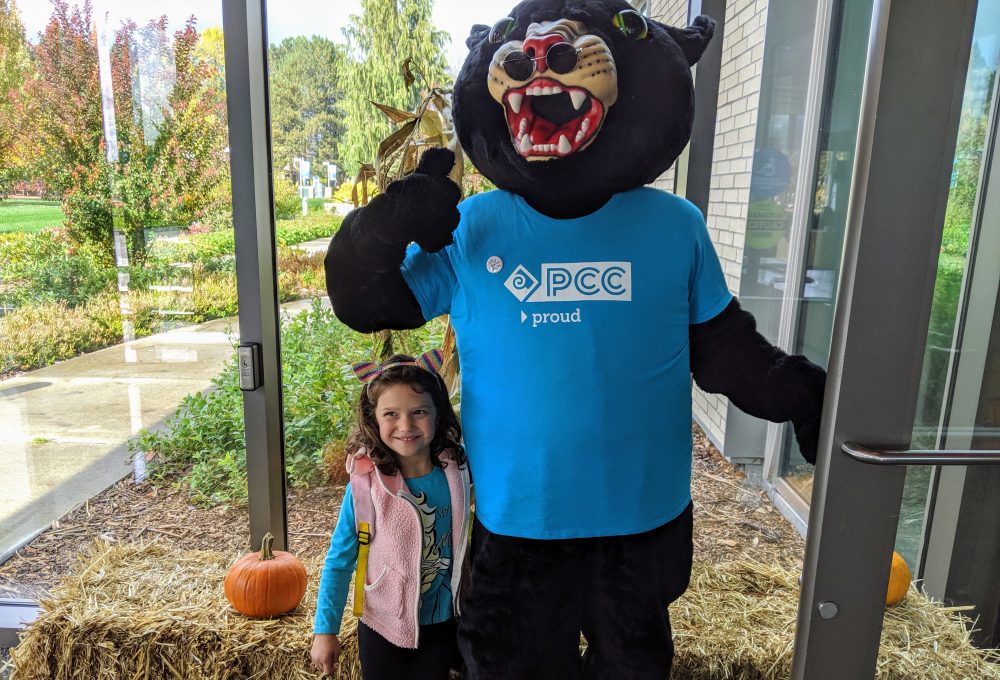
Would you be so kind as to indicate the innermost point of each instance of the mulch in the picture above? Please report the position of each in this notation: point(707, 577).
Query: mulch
point(733, 521)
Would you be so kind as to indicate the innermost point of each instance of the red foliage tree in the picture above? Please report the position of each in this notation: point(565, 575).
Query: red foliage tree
point(15, 70)
point(169, 127)
point(67, 126)
point(172, 131)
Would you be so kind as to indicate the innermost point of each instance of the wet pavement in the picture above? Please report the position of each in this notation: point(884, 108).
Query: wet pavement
point(64, 428)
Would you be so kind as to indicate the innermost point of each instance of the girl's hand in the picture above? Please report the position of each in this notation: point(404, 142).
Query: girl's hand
point(325, 653)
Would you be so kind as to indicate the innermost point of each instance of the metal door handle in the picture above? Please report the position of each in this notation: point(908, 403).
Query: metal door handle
point(939, 457)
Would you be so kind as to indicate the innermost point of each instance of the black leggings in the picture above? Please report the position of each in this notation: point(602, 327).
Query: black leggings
point(437, 654)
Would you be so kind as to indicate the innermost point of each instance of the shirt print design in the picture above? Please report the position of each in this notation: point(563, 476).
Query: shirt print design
point(433, 562)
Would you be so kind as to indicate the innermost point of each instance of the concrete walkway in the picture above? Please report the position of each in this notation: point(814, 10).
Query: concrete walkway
point(64, 428)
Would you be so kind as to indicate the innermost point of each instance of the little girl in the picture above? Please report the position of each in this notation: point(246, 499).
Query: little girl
point(403, 524)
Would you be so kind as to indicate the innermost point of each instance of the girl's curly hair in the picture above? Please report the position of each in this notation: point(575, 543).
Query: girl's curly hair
point(447, 433)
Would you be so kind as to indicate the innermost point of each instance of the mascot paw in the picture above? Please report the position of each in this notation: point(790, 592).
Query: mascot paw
point(423, 205)
point(807, 437)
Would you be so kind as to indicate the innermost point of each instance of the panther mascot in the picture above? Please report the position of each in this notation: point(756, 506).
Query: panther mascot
point(583, 303)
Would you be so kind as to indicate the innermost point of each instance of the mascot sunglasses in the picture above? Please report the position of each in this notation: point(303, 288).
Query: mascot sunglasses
point(560, 57)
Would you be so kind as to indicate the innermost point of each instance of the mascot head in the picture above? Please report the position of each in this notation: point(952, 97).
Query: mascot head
point(567, 102)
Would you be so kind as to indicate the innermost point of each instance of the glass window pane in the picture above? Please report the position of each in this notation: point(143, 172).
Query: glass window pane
point(936, 414)
point(828, 217)
point(323, 78)
point(774, 190)
point(118, 400)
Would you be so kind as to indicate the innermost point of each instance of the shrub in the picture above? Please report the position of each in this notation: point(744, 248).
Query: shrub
point(287, 202)
point(220, 245)
point(43, 334)
point(305, 267)
point(204, 438)
point(307, 228)
point(46, 267)
point(344, 193)
point(79, 309)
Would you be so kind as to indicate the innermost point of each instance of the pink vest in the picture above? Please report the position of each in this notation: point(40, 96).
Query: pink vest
point(392, 581)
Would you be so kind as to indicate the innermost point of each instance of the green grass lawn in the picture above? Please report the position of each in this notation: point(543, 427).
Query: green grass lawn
point(29, 215)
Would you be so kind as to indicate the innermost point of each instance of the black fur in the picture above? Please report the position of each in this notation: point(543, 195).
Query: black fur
point(362, 264)
point(729, 356)
point(644, 132)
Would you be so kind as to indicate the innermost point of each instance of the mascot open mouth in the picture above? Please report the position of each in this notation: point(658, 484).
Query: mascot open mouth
point(547, 118)
point(556, 87)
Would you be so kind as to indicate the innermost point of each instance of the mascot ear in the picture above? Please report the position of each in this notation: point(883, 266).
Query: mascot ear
point(476, 35)
point(694, 39)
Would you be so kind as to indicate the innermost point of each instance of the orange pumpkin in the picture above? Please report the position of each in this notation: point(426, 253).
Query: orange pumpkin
point(899, 580)
point(266, 583)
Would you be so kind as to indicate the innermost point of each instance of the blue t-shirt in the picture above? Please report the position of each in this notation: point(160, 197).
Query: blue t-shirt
point(576, 383)
point(432, 498)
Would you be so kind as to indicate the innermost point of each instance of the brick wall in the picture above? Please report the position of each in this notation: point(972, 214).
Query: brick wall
point(672, 13)
point(735, 129)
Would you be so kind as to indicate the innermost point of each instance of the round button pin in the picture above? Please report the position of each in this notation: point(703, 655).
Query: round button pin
point(494, 265)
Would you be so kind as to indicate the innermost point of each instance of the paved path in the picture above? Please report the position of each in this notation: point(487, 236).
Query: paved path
point(64, 428)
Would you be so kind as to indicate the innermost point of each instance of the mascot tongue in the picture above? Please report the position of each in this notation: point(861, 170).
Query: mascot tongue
point(534, 134)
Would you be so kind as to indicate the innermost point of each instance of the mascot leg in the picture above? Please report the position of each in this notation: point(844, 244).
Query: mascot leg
point(525, 603)
point(521, 609)
point(625, 618)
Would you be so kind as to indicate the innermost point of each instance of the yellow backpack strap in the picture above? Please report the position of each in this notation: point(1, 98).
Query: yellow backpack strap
point(364, 513)
point(364, 538)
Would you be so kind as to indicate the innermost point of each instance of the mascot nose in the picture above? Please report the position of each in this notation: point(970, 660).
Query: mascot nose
point(538, 46)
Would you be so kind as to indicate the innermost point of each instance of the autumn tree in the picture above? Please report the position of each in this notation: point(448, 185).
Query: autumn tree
point(191, 165)
point(167, 137)
point(304, 92)
point(67, 124)
point(15, 70)
point(379, 41)
point(170, 124)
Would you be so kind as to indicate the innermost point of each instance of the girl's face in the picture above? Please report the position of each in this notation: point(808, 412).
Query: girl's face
point(406, 424)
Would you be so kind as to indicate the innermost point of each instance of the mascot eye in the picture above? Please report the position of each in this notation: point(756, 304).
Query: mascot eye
point(500, 30)
point(631, 24)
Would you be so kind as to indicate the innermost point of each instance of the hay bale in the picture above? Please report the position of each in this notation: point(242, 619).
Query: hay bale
point(737, 622)
point(148, 611)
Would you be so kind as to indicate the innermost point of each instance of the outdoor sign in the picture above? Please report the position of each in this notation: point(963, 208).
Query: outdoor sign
point(767, 224)
point(771, 174)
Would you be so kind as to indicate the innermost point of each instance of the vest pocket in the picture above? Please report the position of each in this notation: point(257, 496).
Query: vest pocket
point(378, 579)
point(384, 596)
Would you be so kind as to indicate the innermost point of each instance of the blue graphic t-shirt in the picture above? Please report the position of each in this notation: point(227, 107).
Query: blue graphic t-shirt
point(576, 383)
point(432, 498)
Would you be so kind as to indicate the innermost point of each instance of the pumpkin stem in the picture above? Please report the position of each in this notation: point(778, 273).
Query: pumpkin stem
point(265, 547)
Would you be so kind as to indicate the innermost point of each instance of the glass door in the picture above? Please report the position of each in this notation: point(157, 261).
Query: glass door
point(899, 196)
point(116, 345)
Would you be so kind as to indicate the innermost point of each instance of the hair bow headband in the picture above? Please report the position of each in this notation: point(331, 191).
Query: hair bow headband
point(429, 361)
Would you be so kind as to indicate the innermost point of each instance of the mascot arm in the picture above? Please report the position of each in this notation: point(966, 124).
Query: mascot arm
point(363, 279)
point(729, 357)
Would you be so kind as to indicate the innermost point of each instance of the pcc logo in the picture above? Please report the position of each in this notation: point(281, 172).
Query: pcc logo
point(573, 282)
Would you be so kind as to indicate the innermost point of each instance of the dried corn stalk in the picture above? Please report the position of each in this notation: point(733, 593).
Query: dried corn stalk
point(429, 126)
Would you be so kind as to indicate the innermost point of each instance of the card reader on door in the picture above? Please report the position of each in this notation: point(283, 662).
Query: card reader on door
point(249, 357)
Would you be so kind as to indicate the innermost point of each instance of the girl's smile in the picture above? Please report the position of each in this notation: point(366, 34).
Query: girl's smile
point(407, 422)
